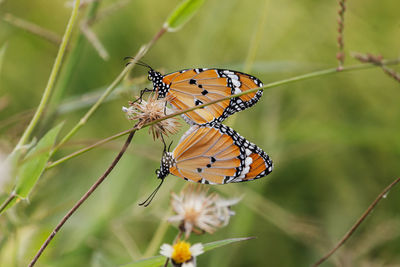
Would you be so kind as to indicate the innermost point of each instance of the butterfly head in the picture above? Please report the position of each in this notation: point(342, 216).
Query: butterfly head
point(158, 84)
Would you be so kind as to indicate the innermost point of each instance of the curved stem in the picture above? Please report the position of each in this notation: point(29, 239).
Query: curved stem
point(10, 198)
point(357, 224)
point(83, 198)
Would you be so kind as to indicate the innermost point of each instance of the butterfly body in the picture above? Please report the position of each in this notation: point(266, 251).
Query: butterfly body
point(192, 87)
point(215, 155)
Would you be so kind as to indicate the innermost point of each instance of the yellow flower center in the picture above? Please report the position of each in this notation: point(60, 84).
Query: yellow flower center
point(181, 252)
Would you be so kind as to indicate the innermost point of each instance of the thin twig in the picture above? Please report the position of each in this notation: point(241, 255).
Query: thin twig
point(357, 224)
point(340, 54)
point(378, 61)
point(83, 198)
point(391, 72)
point(94, 40)
point(32, 28)
point(7, 201)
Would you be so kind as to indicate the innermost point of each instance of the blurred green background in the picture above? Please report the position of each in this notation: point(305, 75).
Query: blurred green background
point(334, 139)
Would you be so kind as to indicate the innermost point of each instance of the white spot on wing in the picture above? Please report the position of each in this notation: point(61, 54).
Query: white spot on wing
point(227, 72)
point(237, 90)
point(246, 170)
point(248, 152)
point(234, 77)
point(236, 83)
point(248, 161)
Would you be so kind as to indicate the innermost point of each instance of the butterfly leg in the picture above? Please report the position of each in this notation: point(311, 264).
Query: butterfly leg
point(142, 92)
point(165, 108)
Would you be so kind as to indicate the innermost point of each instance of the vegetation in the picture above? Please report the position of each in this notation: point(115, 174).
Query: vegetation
point(329, 118)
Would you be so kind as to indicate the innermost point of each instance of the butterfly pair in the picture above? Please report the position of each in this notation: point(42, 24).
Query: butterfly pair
point(210, 152)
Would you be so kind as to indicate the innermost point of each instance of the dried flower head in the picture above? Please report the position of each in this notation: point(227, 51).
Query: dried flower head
point(182, 253)
point(197, 212)
point(151, 110)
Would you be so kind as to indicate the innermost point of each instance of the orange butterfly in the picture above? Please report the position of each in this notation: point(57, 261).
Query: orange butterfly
point(192, 87)
point(215, 155)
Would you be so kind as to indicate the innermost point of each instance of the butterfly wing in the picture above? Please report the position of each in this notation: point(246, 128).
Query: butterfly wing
point(218, 155)
point(193, 87)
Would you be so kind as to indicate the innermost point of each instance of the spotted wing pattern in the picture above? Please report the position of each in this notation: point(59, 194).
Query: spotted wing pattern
point(215, 155)
point(193, 87)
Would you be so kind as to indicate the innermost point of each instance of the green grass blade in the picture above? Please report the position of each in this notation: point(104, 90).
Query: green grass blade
point(32, 167)
point(220, 243)
point(160, 260)
point(182, 14)
point(35, 162)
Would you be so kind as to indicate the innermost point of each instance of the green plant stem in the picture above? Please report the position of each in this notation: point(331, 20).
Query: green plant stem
point(53, 75)
point(142, 51)
point(88, 148)
point(72, 61)
point(267, 86)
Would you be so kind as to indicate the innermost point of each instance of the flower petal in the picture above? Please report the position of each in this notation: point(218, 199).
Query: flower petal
point(166, 250)
point(197, 249)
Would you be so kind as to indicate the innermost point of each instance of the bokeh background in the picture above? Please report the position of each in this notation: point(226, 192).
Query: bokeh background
point(334, 139)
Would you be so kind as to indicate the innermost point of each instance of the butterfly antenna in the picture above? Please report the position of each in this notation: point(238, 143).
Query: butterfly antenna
point(169, 147)
point(165, 145)
point(152, 195)
point(144, 64)
point(138, 62)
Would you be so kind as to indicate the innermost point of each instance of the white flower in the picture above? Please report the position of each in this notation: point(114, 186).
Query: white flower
point(182, 253)
point(196, 211)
